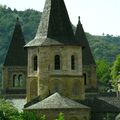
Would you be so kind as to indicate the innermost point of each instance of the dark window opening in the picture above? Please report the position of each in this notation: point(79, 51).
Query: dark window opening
point(35, 63)
point(85, 79)
point(14, 80)
point(57, 62)
point(73, 62)
point(20, 80)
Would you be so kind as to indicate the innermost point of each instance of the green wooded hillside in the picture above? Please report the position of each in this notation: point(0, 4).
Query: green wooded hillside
point(103, 47)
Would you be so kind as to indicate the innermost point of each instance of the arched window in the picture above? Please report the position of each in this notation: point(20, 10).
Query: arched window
point(57, 62)
point(21, 80)
point(35, 63)
point(85, 79)
point(15, 80)
point(73, 62)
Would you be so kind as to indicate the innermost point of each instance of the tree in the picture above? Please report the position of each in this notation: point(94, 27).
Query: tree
point(115, 71)
point(60, 117)
point(7, 110)
point(103, 71)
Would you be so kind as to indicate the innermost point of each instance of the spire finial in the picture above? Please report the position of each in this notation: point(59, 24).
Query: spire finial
point(79, 18)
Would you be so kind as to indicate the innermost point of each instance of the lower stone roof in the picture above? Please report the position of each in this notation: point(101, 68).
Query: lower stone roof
point(103, 104)
point(56, 101)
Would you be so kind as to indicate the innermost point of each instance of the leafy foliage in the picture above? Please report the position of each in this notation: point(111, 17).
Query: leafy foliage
point(115, 71)
point(104, 47)
point(7, 110)
point(103, 71)
point(60, 117)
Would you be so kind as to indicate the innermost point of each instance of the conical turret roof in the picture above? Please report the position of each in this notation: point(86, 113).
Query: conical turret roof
point(80, 36)
point(16, 55)
point(55, 27)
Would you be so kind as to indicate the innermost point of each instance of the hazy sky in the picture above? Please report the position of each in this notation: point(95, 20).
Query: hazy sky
point(97, 16)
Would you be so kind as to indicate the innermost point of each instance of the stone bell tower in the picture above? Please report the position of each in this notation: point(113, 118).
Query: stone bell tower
point(15, 66)
point(55, 56)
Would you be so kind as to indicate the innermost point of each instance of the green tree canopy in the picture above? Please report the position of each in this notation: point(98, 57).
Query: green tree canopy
point(115, 71)
point(103, 71)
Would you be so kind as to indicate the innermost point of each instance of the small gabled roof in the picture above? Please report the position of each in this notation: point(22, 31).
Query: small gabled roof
point(55, 27)
point(56, 101)
point(81, 37)
point(16, 55)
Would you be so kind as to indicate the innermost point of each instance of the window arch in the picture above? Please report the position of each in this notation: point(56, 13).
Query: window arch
point(21, 80)
point(14, 80)
point(35, 63)
point(57, 62)
point(72, 62)
point(85, 78)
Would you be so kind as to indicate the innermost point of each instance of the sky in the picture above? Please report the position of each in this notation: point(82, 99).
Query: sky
point(97, 16)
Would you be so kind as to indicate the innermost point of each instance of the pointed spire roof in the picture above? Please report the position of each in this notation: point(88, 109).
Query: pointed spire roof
point(16, 55)
point(55, 27)
point(86, 53)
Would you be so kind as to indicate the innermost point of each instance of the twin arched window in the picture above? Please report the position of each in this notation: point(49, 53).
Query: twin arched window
point(18, 80)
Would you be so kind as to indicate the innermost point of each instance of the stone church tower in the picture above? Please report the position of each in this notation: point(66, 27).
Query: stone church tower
point(89, 65)
point(15, 66)
point(55, 56)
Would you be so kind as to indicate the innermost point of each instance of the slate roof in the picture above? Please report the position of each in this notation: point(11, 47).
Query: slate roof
point(16, 55)
point(81, 37)
point(103, 104)
point(56, 101)
point(55, 27)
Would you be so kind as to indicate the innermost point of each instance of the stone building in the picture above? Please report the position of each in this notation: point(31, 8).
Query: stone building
point(55, 64)
point(55, 56)
point(15, 66)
